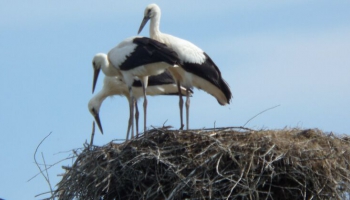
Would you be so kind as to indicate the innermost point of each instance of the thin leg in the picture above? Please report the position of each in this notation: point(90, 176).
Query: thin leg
point(132, 111)
point(132, 136)
point(187, 108)
point(145, 113)
point(137, 119)
point(181, 102)
point(130, 120)
point(144, 82)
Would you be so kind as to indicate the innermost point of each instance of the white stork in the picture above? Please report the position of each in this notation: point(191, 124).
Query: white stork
point(135, 56)
point(162, 84)
point(197, 68)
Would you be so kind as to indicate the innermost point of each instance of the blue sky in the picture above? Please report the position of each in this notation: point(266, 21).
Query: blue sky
point(289, 53)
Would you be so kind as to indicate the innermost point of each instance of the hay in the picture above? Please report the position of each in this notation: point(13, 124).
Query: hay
point(213, 164)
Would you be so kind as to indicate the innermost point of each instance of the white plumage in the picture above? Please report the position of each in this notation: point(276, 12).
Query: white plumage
point(162, 84)
point(135, 56)
point(197, 68)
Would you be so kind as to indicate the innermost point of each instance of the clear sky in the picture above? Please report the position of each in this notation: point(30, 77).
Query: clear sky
point(292, 53)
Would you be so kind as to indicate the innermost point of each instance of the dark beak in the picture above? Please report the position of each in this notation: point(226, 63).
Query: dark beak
point(96, 72)
point(98, 121)
point(143, 23)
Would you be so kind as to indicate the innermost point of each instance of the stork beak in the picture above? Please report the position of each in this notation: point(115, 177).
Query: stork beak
point(143, 23)
point(96, 72)
point(98, 121)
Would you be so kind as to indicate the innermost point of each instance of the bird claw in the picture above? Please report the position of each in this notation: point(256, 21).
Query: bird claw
point(182, 127)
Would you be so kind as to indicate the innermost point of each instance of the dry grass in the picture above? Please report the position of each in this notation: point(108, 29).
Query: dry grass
point(224, 163)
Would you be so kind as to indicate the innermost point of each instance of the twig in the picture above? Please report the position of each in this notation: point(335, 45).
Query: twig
point(172, 164)
point(223, 128)
point(37, 164)
point(42, 194)
point(51, 166)
point(92, 134)
point(165, 123)
point(188, 178)
point(47, 174)
point(260, 114)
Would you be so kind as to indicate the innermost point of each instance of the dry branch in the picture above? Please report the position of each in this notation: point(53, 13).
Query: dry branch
point(213, 164)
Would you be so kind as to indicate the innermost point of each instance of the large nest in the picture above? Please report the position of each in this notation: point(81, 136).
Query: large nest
point(213, 164)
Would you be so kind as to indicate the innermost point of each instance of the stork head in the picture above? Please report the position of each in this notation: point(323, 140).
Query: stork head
point(94, 108)
point(151, 11)
point(97, 63)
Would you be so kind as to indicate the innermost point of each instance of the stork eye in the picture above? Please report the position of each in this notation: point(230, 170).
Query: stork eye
point(93, 63)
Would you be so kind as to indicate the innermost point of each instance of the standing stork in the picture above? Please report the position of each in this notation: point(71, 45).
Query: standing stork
point(196, 67)
point(135, 56)
point(162, 84)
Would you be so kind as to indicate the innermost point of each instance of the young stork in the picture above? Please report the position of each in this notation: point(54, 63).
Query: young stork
point(162, 84)
point(197, 68)
point(135, 56)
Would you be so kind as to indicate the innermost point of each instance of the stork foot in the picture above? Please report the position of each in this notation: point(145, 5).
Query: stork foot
point(182, 127)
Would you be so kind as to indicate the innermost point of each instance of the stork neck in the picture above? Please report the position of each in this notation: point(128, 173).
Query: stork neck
point(109, 70)
point(98, 99)
point(101, 96)
point(154, 31)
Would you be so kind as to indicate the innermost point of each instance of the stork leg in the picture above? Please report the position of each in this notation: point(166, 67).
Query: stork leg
point(130, 120)
point(144, 82)
point(132, 111)
point(181, 102)
point(137, 119)
point(187, 108)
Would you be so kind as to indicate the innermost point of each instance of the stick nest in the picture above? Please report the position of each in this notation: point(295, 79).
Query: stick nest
point(222, 163)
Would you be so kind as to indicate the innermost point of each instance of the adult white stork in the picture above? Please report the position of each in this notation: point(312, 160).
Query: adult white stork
point(197, 68)
point(162, 84)
point(135, 56)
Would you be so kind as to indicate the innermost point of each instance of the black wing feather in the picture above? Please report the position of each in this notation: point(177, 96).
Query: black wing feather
point(149, 51)
point(210, 72)
point(160, 79)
